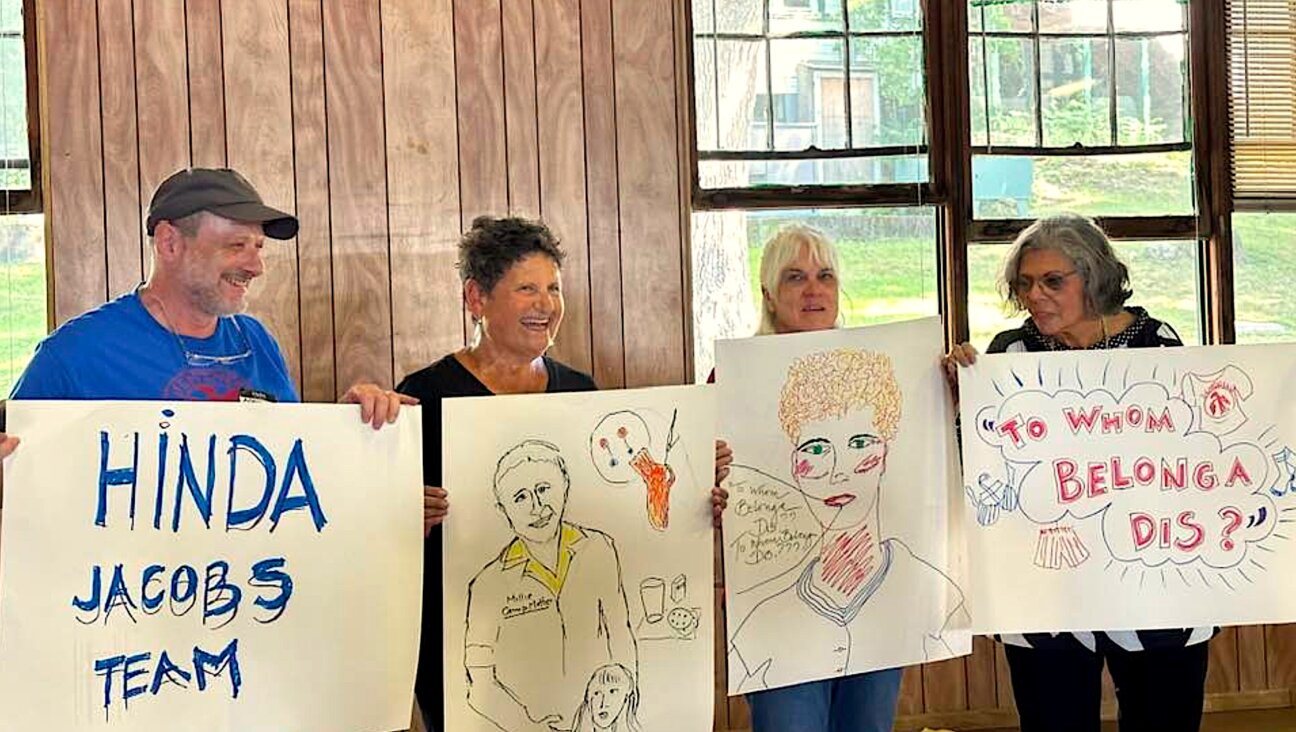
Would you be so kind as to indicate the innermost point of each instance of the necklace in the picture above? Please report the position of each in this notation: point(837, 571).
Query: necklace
point(201, 359)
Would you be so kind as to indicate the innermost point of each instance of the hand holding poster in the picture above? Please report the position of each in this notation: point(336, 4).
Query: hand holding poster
point(1129, 489)
point(208, 567)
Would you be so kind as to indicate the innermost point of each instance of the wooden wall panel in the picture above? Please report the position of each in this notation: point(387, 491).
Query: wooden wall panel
point(602, 193)
point(73, 149)
point(562, 165)
point(479, 81)
point(422, 182)
point(1222, 671)
point(260, 134)
point(358, 193)
point(945, 686)
point(1251, 658)
point(1280, 649)
point(204, 37)
point(652, 263)
point(911, 692)
point(982, 691)
point(518, 33)
point(162, 94)
point(314, 238)
point(122, 198)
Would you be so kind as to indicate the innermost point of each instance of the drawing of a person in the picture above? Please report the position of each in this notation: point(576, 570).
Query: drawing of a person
point(549, 609)
point(611, 702)
point(841, 411)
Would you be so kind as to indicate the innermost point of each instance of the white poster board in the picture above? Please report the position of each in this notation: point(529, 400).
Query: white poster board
point(841, 539)
point(1130, 489)
point(209, 567)
point(578, 561)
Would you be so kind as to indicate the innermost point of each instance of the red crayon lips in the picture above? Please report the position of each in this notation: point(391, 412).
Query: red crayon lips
point(839, 500)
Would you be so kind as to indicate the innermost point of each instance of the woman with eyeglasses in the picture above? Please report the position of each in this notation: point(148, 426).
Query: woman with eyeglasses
point(1063, 271)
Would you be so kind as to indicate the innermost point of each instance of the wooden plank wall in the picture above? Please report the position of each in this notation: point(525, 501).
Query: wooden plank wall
point(388, 126)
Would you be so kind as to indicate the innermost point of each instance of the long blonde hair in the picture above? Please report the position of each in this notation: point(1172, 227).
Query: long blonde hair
point(781, 250)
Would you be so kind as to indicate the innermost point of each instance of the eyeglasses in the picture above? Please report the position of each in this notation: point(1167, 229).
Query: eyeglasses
point(1052, 282)
point(201, 360)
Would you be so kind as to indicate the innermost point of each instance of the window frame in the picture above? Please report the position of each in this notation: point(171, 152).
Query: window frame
point(946, 42)
point(805, 196)
point(29, 201)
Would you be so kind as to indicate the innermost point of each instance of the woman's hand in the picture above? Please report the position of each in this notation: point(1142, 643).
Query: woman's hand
point(720, 496)
point(436, 504)
point(963, 354)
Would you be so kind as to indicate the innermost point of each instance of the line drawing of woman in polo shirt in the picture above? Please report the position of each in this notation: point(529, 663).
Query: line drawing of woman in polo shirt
point(841, 411)
point(547, 611)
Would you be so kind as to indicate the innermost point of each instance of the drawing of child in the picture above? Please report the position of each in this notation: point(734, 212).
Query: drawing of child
point(611, 702)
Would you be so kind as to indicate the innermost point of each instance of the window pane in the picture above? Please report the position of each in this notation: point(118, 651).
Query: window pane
point(13, 113)
point(887, 91)
point(11, 20)
point(704, 89)
point(1075, 83)
point(997, 15)
point(1163, 275)
point(703, 16)
point(1143, 184)
point(1003, 90)
point(743, 98)
point(22, 293)
point(739, 16)
point(1264, 266)
point(809, 94)
point(888, 267)
point(1150, 15)
point(805, 15)
point(1073, 16)
point(835, 171)
point(1150, 89)
point(885, 15)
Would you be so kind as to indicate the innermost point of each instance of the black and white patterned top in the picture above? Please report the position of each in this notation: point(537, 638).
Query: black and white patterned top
point(1144, 332)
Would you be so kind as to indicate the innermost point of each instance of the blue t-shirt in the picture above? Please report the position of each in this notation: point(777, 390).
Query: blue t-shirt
point(119, 351)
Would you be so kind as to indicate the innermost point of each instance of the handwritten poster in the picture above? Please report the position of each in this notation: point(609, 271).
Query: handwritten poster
point(1131, 489)
point(213, 567)
point(841, 539)
point(579, 576)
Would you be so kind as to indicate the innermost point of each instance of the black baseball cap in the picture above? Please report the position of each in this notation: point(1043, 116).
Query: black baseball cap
point(221, 191)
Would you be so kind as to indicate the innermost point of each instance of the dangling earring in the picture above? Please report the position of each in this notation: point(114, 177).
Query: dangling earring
point(477, 329)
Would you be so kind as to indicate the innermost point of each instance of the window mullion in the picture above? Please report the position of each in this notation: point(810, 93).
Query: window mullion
point(846, 58)
point(1039, 74)
point(1111, 73)
point(769, 78)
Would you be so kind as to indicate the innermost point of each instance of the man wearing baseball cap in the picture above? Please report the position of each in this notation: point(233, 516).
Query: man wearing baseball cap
point(182, 335)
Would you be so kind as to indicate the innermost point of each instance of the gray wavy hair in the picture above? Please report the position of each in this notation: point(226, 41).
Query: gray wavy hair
point(1105, 277)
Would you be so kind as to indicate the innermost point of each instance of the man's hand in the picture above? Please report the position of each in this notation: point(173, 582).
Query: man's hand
point(436, 505)
point(8, 443)
point(378, 406)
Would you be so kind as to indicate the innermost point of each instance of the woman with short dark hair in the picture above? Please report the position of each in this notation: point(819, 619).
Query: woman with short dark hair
point(511, 270)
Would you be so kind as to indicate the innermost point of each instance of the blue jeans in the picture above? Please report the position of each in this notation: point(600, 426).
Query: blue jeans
point(860, 703)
